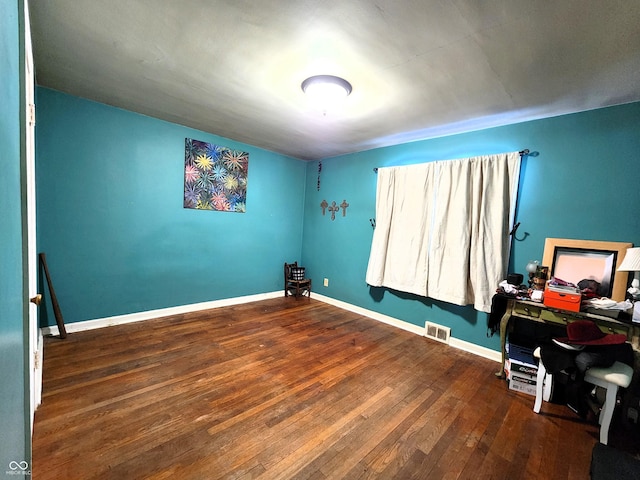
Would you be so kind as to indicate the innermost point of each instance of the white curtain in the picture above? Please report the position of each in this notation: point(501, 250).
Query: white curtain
point(442, 228)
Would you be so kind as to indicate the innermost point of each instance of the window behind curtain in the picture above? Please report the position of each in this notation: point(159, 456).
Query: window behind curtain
point(442, 228)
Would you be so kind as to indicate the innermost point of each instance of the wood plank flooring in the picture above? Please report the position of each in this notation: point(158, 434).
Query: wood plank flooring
point(289, 389)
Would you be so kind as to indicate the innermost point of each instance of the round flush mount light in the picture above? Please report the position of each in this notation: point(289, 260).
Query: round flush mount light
point(326, 87)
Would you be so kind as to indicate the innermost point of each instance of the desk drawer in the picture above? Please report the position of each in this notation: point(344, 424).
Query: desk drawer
point(607, 327)
point(523, 310)
point(561, 318)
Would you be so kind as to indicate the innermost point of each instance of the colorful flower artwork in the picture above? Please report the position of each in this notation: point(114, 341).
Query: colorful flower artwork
point(215, 177)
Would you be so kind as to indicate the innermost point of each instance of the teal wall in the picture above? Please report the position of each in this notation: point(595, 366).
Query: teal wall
point(582, 184)
point(118, 241)
point(112, 224)
point(14, 406)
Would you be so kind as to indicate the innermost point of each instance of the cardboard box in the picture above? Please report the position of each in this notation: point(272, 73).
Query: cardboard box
point(562, 298)
point(520, 353)
point(522, 368)
point(521, 376)
point(522, 383)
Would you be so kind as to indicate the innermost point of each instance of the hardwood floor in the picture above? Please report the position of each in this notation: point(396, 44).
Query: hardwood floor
point(283, 389)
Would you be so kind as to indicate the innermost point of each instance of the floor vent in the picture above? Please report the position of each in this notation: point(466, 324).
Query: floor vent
point(437, 332)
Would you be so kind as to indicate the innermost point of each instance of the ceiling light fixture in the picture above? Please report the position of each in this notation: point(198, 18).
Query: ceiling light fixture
point(326, 87)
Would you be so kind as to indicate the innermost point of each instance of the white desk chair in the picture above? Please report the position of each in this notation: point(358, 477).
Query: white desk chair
point(610, 378)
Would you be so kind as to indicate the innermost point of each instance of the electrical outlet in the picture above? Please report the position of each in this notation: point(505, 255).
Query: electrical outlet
point(326, 282)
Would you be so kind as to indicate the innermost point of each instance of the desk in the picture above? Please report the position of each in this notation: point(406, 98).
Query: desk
point(537, 312)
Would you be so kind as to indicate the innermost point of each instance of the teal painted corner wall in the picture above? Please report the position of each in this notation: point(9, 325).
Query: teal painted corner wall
point(14, 406)
point(112, 224)
point(582, 184)
point(118, 241)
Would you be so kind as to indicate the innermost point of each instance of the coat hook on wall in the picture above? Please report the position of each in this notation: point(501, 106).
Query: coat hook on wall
point(514, 230)
point(372, 221)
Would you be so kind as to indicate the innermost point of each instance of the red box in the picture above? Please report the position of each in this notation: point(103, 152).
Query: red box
point(562, 298)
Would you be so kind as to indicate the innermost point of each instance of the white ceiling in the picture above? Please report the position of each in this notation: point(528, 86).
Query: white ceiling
point(419, 68)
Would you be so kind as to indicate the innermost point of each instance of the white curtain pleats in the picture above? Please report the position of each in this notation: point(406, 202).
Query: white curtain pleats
point(442, 228)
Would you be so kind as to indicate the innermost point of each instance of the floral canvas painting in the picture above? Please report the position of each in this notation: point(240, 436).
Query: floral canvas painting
point(215, 177)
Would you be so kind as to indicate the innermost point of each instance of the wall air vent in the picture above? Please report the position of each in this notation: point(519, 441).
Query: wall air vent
point(437, 332)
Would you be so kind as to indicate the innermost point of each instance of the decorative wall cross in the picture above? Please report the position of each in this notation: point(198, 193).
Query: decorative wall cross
point(344, 206)
point(333, 209)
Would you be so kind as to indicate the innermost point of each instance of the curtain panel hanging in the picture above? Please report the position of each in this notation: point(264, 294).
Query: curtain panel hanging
point(442, 228)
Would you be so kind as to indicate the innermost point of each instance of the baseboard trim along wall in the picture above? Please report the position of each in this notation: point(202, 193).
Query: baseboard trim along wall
point(151, 314)
point(164, 312)
point(453, 342)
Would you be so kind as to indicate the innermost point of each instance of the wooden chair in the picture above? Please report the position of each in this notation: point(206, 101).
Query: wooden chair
point(294, 281)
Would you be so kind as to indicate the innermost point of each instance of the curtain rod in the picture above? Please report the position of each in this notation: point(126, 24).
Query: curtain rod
point(521, 152)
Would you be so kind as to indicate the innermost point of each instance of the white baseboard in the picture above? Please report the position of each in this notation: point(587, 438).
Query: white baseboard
point(151, 314)
point(475, 349)
point(453, 342)
point(394, 322)
point(164, 312)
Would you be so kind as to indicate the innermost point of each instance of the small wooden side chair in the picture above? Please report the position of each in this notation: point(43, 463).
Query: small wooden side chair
point(295, 282)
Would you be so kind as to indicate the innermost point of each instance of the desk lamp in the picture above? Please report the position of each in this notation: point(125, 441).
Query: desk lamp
point(531, 268)
point(631, 263)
